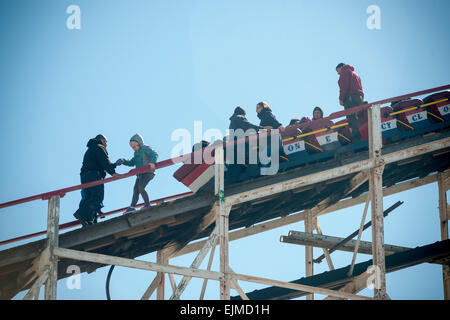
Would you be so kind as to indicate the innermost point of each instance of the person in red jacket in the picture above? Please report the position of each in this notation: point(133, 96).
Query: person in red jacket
point(350, 94)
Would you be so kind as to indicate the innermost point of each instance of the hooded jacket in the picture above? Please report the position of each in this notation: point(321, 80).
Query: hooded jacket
point(143, 156)
point(96, 159)
point(349, 83)
point(238, 121)
point(268, 119)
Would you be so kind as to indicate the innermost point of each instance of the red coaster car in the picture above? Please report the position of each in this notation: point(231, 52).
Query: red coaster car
point(438, 112)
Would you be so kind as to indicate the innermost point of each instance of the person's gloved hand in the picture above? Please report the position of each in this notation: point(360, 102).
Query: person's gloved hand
point(120, 162)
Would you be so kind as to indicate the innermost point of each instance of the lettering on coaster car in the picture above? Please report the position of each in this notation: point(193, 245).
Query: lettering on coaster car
point(445, 109)
point(328, 138)
point(417, 117)
point(294, 147)
point(388, 125)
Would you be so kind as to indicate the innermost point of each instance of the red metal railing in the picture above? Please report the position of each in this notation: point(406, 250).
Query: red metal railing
point(75, 223)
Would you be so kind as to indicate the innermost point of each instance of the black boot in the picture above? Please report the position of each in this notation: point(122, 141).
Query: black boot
point(83, 221)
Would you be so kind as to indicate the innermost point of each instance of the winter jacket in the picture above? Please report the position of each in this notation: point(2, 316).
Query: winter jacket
point(96, 159)
point(238, 121)
point(143, 156)
point(268, 119)
point(349, 83)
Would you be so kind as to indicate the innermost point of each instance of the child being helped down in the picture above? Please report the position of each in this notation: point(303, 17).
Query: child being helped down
point(143, 156)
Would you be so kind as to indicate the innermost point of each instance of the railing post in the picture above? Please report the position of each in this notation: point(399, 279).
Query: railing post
point(309, 265)
point(444, 217)
point(52, 242)
point(223, 222)
point(376, 195)
point(161, 258)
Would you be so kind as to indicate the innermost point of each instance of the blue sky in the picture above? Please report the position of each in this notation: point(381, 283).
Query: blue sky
point(152, 67)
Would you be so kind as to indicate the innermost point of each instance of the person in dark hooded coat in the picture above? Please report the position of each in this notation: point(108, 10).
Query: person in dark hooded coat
point(238, 121)
point(266, 116)
point(96, 164)
point(270, 122)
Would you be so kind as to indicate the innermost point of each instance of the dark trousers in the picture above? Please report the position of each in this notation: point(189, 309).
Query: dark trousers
point(139, 188)
point(92, 197)
point(352, 101)
point(235, 168)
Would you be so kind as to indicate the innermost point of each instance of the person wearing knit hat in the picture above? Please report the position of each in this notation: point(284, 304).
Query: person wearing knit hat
point(239, 124)
point(239, 121)
point(143, 156)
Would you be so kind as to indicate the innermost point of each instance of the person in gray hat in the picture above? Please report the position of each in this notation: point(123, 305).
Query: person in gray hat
point(143, 156)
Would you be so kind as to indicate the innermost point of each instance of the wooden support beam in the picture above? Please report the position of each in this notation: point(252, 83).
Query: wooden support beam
point(52, 243)
point(38, 266)
point(36, 293)
point(444, 217)
point(212, 241)
point(325, 251)
point(309, 265)
point(205, 281)
point(223, 220)
point(356, 285)
point(156, 281)
point(443, 207)
point(161, 258)
point(234, 284)
point(376, 196)
point(224, 258)
point(299, 287)
point(361, 228)
point(35, 288)
point(325, 241)
point(297, 217)
point(136, 264)
point(238, 289)
point(172, 282)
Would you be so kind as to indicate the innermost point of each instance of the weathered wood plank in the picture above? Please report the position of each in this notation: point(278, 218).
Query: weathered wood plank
point(301, 287)
point(326, 241)
point(53, 243)
point(136, 264)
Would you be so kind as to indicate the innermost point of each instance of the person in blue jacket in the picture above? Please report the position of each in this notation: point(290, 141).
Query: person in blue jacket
point(143, 156)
